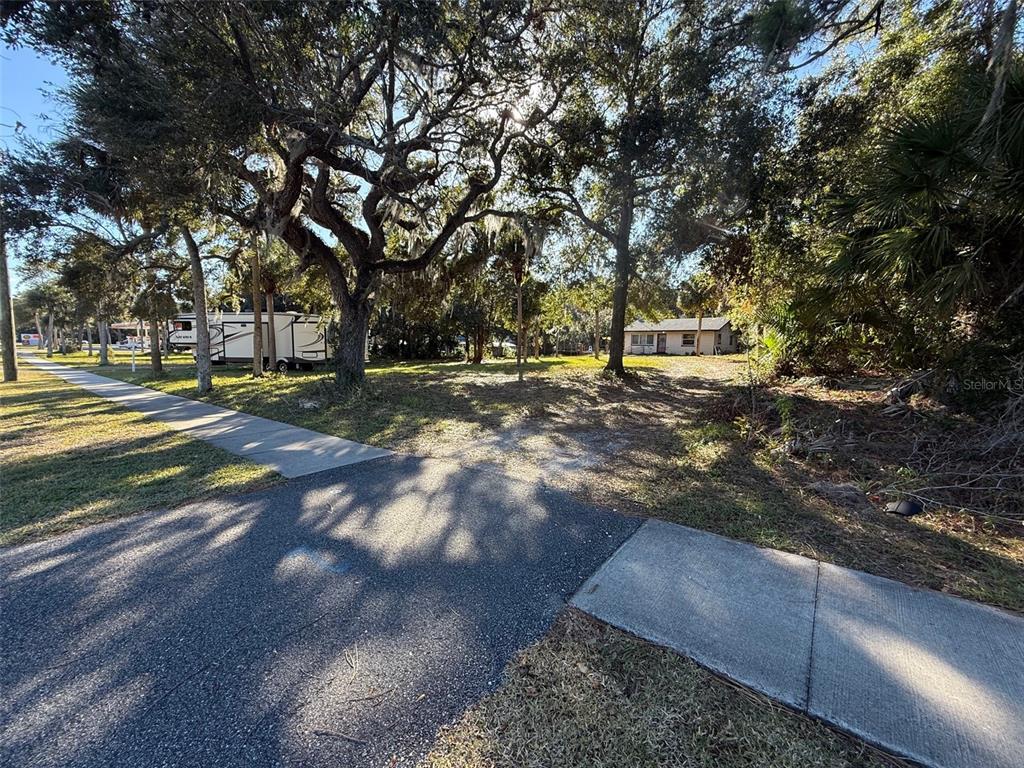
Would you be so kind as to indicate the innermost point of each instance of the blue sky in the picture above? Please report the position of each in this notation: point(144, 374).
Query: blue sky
point(25, 78)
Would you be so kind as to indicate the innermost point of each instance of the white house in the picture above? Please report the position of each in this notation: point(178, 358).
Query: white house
point(678, 336)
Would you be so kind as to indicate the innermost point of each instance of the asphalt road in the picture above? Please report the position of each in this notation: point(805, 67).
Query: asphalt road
point(338, 619)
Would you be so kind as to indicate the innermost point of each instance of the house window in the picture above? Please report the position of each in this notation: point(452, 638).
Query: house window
point(688, 339)
point(636, 340)
point(650, 339)
point(718, 339)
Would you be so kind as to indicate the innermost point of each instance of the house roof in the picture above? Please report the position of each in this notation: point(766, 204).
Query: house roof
point(679, 324)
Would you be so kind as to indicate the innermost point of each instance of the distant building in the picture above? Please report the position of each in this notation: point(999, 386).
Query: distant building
point(678, 336)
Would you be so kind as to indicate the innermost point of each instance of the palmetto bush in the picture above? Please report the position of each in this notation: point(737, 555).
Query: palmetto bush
point(935, 230)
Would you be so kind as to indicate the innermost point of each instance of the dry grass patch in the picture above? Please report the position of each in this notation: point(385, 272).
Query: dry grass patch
point(69, 458)
point(590, 695)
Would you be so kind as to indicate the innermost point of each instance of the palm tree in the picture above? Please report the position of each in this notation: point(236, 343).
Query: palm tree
point(940, 215)
point(696, 295)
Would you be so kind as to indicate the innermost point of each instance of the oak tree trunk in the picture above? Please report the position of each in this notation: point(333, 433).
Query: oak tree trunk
point(700, 322)
point(479, 338)
point(204, 366)
point(155, 361)
point(104, 331)
point(350, 354)
point(597, 334)
point(620, 296)
point(49, 334)
point(355, 305)
point(620, 293)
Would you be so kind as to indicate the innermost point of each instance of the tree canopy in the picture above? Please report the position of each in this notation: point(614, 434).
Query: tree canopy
point(846, 175)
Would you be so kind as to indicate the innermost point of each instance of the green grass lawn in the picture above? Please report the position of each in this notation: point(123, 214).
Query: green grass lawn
point(588, 695)
point(677, 441)
point(69, 458)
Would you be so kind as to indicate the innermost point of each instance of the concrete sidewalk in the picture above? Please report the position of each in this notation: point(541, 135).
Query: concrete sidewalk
point(289, 450)
point(931, 677)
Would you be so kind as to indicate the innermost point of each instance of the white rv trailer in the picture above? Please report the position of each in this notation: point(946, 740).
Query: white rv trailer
point(301, 339)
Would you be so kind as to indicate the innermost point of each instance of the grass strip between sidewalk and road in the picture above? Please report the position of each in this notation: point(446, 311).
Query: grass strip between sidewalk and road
point(69, 458)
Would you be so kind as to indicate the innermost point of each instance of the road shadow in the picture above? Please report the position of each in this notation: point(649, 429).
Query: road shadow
point(341, 617)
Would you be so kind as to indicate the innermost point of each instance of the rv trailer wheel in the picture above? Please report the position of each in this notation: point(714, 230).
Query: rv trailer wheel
point(282, 366)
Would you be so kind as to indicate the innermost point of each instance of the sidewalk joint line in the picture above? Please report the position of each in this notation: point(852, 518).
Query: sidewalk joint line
point(814, 625)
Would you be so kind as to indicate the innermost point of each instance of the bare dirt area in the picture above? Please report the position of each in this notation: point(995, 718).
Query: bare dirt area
point(805, 466)
point(578, 429)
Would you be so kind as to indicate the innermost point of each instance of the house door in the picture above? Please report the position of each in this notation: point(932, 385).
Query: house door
point(661, 343)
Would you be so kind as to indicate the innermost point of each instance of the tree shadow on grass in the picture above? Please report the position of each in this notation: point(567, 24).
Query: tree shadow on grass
point(71, 488)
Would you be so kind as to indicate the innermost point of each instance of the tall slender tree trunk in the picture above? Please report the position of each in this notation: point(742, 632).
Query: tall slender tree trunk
point(7, 340)
point(700, 323)
point(597, 334)
point(49, 334)
point(520, 330)
point(620, 293)
point(204, 365)
point(620, 296)
point(88, 330)
point(257, 315)
point(479, 337)
point(104, 331)
point(271, 331)
point(62, 341)
point(39, 329)
point(155, 361)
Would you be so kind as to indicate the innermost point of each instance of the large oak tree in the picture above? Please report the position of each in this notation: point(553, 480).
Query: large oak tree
point(362, 134)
